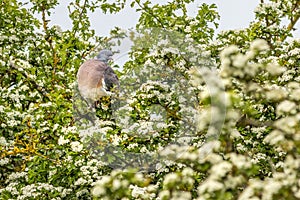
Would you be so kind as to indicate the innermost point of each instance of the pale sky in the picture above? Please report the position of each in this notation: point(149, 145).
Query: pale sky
point(235, 14)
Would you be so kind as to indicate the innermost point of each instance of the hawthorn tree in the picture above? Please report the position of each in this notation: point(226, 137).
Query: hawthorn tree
point(200, 115)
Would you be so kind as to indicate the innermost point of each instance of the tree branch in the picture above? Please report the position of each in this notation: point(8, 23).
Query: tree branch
point(149, 13)
point(79, 18)
point(245, 121)
point(49, 40)
point(293, 21)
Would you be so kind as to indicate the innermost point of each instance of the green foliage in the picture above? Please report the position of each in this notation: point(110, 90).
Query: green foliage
point(196, 117)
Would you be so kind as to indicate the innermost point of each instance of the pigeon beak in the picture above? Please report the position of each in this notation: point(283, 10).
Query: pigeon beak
point(110, 58)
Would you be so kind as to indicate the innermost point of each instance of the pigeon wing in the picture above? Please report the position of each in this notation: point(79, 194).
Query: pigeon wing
point(111, 79)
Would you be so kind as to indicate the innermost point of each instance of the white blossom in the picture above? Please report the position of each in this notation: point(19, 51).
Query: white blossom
point(270, 189)
point(137, 191)
point(4, 161)
point(76, 146)
point(62, 140)
point(164, 194)
point(116, 184)
point(240, 161)
point(276, 94)
point(220, 170)
point(210, 185)
point(275, 69)
point(170, 178)
point(98, 190)
point(259, 45)
point(232, 49)
point(286, 107)
point(240, 60)
point(80, 181)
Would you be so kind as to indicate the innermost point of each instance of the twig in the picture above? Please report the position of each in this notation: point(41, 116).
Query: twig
point(150, 13)
point(49, 40)
point(245, 121)
point(79, 19)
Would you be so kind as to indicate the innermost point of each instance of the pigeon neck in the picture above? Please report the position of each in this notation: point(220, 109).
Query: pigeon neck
point(105, 61)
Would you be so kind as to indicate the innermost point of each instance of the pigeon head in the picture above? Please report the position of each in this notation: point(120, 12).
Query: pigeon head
point(105, 55)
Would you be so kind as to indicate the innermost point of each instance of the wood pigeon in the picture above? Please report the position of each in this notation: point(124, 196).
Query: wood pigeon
point(96, 78)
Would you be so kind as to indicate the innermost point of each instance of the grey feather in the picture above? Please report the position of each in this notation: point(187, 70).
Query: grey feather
point(111, 79)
